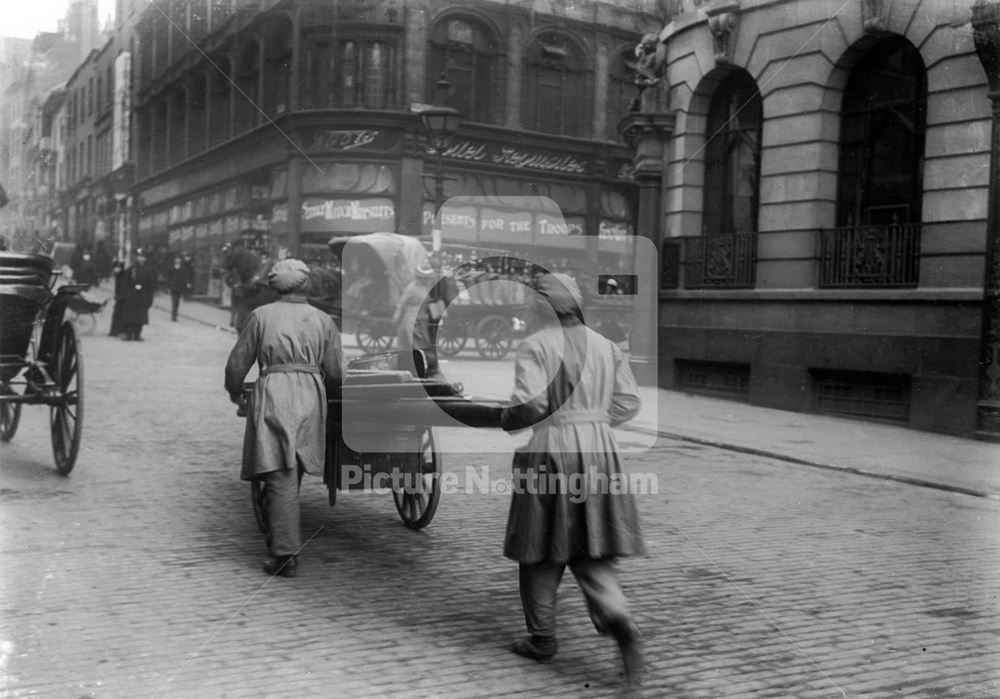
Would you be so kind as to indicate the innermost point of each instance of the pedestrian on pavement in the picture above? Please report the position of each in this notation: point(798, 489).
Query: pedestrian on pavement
point(179, 285)
point(188, 263)
point(86, 273)
point(138, 288)
point(297, 348)
point(118, 273)
point(571, 386)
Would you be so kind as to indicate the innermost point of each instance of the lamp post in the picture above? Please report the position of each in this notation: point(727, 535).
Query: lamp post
point(440, 123)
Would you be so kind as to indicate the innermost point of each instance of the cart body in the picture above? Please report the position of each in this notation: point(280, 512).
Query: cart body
point(40, 358)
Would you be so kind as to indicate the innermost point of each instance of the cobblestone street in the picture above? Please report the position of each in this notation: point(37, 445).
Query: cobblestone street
point(140, 575)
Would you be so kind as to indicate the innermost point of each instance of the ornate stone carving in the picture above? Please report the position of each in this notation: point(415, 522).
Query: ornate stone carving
point(723, 20)
point(871, 16)
point(648, 67)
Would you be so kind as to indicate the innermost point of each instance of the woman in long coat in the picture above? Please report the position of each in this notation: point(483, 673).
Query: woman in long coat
point(297, 348)
point(138, 287)
point(571, 503)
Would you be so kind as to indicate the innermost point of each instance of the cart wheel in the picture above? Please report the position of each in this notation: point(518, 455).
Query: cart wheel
point(373, 335)
point(417, 497)
point(86, 322)
point(451, 337)
point(66, 417)
point(258, 495)
point(10, 415)
point(494, 337)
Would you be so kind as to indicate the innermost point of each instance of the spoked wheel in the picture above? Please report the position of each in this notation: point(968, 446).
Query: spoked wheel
point(66, 416)
point(10, 416)
point(258, 495)
point(86, 322)
point(451, 337)
point(417, 495)
point(494, 337)
point(374, 335)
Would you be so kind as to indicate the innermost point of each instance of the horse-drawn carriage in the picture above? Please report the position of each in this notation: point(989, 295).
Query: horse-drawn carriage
point(40, 362)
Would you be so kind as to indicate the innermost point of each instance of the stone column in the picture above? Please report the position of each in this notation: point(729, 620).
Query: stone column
point(647, 133)
point(986, 33)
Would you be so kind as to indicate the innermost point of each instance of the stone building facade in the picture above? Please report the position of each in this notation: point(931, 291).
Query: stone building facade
point(823, 197)
point(288, 122)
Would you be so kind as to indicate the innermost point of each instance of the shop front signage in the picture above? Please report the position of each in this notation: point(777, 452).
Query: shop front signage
point(340, 215)
point(518, 158)
point(351, 139)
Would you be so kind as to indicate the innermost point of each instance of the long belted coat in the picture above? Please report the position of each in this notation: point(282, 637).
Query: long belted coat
point(138, 285)
point(572, 385)
point(297, 348)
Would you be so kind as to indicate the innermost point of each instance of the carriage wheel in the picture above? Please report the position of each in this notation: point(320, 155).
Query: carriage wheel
point(373, 336)
point(10, 415)
point(86, 322)
point(66, 416)
point(258, 496)
point(494, 337)
point(451, 337)
point(417, 496)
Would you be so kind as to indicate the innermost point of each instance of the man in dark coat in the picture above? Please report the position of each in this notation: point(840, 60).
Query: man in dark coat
point(571, 386)
point(118, 272)
point(86, 272)
point(138, 287)
point(178, 281)
point(241, 267)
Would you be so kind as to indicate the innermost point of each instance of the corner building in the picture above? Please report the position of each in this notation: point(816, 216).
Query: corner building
point(288, 122)
point(828, 206)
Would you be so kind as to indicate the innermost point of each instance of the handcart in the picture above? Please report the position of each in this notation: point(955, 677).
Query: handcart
point(40, 357)
point(390, 415)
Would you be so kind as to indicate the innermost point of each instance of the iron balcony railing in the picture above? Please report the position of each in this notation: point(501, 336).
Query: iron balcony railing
point(870, 256)
point(726, 260)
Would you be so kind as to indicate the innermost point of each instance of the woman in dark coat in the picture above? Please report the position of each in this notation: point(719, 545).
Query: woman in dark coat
point(138, 287)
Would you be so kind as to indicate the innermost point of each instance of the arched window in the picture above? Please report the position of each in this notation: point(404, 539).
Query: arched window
point(556, 95)
point(882, 137)
point(467, 53)
point(732, 157)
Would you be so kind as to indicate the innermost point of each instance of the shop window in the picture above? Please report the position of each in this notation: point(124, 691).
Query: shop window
point(556, 95)
point(468, 55)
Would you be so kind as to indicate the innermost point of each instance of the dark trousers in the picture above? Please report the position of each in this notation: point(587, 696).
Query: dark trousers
point(539, 583)
point(132, 331)
point(175, 303)
point(283, 518)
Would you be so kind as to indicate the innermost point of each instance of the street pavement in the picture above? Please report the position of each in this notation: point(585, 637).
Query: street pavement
point(866, 448)
point(788, 556)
